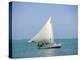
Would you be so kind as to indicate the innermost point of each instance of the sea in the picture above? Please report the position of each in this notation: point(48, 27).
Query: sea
point(23, 49)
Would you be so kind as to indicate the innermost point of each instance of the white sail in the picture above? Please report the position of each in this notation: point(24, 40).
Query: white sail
point(45, 34)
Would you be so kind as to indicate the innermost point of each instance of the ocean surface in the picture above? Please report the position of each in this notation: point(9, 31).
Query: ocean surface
point(23, 49)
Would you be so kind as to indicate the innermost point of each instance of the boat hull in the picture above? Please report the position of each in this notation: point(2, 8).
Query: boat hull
point(50, 46)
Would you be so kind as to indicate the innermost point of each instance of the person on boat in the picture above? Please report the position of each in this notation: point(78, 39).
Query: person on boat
point(40, 44)
point(46, 42)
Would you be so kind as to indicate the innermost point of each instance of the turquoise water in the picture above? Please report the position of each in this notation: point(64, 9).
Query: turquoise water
point(22, 49)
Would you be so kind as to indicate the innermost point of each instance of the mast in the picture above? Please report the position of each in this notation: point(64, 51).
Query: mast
point(51, 31)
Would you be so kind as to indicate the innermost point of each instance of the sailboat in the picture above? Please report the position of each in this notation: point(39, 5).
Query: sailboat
point(45, 37)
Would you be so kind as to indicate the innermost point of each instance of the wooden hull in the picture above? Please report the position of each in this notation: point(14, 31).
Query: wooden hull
point(50, 46)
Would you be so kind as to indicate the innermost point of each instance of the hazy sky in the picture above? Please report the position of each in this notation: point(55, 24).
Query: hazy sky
point(29, 18)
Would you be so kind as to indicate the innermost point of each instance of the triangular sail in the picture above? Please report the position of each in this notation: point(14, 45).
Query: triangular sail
point(45, 34)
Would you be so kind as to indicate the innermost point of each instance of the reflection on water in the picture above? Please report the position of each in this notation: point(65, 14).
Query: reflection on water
point(46, 52)
point(49, 52)
point(22, 49)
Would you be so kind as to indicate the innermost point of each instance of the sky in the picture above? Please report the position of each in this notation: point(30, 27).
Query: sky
point(29, 18)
